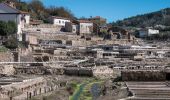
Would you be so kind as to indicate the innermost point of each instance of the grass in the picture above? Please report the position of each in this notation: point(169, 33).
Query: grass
point(77, 92)
point(83, 91)
point(3, 49)
point(86, 95)
point(74, 85)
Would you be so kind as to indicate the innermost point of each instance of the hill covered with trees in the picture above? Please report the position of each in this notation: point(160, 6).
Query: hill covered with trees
point(38, 11)
point(161, 17)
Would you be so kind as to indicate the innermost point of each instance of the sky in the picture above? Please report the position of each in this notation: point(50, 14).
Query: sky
point(112, 10)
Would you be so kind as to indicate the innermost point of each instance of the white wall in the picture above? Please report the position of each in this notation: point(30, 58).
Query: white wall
point(148, 32)
point(27, 18)
point(60, 22)
point(85, 27)
point(20, 27)
point(75, 28)
point(152, 32)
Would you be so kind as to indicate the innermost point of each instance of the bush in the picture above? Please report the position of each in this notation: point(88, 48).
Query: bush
point(117, 79)
point(7, 28)
point(11, 28)
point(3, 49)
point(3, 28)
point(11, 43)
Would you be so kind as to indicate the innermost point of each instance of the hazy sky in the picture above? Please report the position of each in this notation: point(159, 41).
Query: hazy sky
point(111, 9)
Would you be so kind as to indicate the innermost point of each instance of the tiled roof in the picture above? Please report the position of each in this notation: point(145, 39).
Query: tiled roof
point(15, 11)
point(58, 17)
point(84, 21)
point(36, 22)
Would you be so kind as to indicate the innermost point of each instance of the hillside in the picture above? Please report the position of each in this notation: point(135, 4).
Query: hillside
point(161, 17)
point(38, 11)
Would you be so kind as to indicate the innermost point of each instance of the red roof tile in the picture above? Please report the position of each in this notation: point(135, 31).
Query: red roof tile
point(84, 21)
point(58, 17)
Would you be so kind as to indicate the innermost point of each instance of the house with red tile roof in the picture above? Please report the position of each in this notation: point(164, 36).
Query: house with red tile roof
point(98, 20)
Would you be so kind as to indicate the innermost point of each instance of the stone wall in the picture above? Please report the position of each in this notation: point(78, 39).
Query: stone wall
point(23, 90)
point(144, 75)
point(6, 57)
point(62, 36)
point(78, 72)
point(44, 28)
point(7, 69)
point(103, 72)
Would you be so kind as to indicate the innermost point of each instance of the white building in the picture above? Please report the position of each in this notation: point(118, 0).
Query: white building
point(8, 13)
point(148, 32)
point(60, 21)
point(85, 27)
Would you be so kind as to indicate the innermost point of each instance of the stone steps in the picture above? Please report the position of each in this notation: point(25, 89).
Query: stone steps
point(149, 90)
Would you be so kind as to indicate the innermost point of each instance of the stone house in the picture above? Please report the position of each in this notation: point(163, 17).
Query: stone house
point(85, 27)
point(119, 33)
point(9, 13)
point(71, 27)
point(80, 27)
point(98, 20)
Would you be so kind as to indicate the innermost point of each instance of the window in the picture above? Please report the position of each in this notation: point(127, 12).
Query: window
point(59, 21)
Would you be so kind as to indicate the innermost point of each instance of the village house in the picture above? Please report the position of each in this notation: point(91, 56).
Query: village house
point(85, 27)
point(60, 21)
point(98, 20)
point(148, 32)
point(81, 27)
point(8, 12)
point(119, 33)
point(71, 27)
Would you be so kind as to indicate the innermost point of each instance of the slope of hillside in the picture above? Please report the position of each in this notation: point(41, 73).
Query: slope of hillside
point(38, 11)
point(161, 17)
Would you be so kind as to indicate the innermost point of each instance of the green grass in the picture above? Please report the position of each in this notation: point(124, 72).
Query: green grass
point(86, 95)
point(83, 90)
point(3, 49)
point(77, 92)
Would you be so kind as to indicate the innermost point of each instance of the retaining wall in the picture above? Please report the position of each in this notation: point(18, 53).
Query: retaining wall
point(143, 75)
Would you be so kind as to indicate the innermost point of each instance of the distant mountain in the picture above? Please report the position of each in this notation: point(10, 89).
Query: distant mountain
point(161, 17)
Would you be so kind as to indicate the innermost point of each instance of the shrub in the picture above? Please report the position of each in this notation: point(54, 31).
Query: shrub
point(11, 43)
